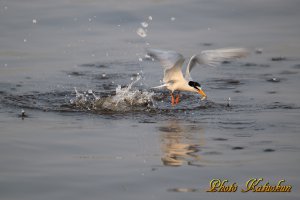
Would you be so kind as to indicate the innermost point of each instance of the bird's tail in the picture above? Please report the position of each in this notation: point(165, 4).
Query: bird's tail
point(160, 86)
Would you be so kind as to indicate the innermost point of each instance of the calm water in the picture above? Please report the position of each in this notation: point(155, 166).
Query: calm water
point(117, 140)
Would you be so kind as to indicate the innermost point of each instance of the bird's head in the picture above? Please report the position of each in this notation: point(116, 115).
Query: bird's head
point(197, 88)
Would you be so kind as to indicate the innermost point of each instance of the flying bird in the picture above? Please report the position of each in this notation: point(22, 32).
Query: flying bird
point(172, 62)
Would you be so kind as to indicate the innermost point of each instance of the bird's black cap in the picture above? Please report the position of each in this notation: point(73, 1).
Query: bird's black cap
point(194, 84)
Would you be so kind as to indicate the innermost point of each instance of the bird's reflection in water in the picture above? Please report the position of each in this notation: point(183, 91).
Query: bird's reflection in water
point(180, 143)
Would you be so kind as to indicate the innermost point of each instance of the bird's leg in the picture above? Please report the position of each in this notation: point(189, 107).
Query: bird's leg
point(173, 100)
point(177, 98)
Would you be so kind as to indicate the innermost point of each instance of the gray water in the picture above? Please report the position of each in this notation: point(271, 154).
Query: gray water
point(116, 138)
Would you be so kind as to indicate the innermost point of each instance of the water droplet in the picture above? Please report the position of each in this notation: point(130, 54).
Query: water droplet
point(274, 79)
point(5, 65)
point(103, 75)
point(140, 59)
point(228, 102)
point(5, 7)
point(173, 18)
point(141, 32)
point(34, 21)
point(90, 91)
point(25, 40)
point(23, 114)
point(144, 24)
point(258, 50)
point(150, 18)
point(90, 19)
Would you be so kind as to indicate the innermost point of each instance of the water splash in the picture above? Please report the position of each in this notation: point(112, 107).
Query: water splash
point(144, 24)
point(125, 99)
point(141, 32)
point(84, 100)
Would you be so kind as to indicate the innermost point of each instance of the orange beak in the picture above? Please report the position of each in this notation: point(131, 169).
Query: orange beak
point(200, 91)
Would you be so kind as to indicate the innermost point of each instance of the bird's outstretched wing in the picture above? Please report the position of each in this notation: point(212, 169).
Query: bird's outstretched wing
point(171, 62)
point(214, 57)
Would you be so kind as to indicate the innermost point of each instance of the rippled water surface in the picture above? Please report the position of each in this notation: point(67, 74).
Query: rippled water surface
point(79, 118)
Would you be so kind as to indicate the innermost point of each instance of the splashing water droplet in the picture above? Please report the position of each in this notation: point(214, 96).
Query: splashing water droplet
point(140, 59)
point(141, 32)
point(144, 24)
point(150, 18)
point(258, 50)
point(34, 21)
point(147, 56)
point(228, 102)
